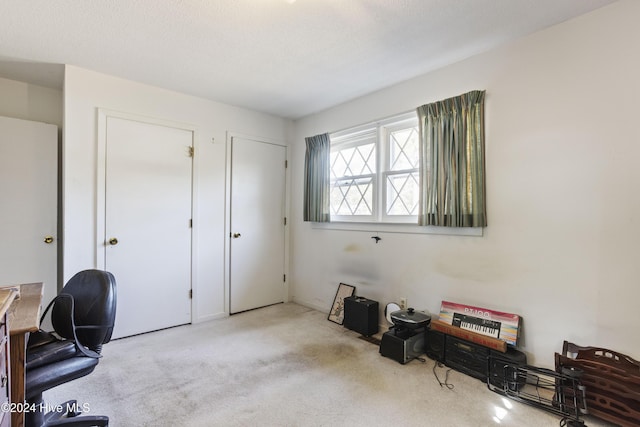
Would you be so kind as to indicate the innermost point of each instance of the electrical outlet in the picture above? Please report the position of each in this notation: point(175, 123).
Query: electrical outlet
point(403, 303)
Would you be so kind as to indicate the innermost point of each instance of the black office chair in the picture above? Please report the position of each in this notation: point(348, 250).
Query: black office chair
point(82, 315)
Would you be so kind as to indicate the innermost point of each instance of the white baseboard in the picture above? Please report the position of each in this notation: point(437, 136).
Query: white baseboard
point(321, 309)
point(209, 317)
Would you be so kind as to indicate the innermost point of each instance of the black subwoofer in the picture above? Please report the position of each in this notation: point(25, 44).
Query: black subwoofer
point(361, 315)
point(402, 346)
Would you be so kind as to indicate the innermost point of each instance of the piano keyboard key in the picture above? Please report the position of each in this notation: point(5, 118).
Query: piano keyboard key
point(486, 327)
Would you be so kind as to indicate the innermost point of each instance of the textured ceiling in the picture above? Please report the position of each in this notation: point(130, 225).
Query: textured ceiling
point(285, 57)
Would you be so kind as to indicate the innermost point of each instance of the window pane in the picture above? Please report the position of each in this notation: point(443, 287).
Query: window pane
point(353, 161)
point(402, 194)
point(338, 164)
point(352, 196)
point(403, 149)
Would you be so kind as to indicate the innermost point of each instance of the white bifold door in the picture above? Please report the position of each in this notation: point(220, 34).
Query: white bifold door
point(147, 222)
point(257, 224)
point(29, 197)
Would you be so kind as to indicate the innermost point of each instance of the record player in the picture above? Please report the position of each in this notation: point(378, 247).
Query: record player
point(404, 341)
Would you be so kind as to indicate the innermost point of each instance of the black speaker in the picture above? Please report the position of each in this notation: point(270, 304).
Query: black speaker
point(402, 348)
point(361, 315)
point(434, 345)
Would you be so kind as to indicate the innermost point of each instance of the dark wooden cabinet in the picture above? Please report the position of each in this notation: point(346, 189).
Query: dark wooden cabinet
point(5, 416)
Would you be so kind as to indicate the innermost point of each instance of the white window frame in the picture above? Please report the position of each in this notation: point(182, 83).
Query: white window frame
point(379, 221)
point(352, 138)
point(379, 130)
point(385, 128)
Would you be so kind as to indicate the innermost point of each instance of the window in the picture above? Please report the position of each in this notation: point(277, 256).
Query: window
point(374, 172)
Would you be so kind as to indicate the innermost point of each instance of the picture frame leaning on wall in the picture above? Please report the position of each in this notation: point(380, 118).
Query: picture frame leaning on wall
point(336, 314)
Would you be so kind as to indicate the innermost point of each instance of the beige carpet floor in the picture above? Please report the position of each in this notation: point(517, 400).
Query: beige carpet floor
point(284, 365)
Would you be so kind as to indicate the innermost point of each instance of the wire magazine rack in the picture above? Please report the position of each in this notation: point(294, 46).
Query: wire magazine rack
point(560, 393)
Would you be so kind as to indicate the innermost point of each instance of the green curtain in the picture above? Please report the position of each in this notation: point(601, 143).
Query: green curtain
point(452, 165)
point(316, 178)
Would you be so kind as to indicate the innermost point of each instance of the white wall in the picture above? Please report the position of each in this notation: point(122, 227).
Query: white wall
point(85, 92)
point(562, 146)
point(27, 101)
point(30, 102)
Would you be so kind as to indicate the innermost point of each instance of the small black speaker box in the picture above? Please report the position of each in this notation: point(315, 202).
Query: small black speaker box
point(434, 345)
point(361, 315)
point(400, 348)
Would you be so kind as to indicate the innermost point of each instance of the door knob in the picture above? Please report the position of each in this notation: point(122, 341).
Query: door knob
point(236, 235)
point(48, 239)
point(113, 241)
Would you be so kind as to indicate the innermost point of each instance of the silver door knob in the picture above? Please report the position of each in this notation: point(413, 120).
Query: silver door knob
point(236, 235)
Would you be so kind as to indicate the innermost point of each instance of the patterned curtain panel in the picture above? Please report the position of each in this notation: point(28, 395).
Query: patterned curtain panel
point(316, 179)
point(452, 171)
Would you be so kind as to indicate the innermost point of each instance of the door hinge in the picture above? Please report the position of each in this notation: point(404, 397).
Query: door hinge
point(285, 220)
point(191, 151)
point(284, 277)
point(286, 164)
point(190, 293)
point(190, 223)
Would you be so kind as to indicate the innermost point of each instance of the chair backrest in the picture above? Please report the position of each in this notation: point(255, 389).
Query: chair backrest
point(93, 300)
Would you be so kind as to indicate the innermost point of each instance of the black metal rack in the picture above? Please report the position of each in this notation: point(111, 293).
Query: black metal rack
point(559, 393)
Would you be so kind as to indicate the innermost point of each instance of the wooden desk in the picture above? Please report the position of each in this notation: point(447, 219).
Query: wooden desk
point(23, 317)
point(6, 298)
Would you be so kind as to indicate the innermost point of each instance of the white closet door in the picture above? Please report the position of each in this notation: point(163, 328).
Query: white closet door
point(257, 224)
point(147, 232)
point(29, 195)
